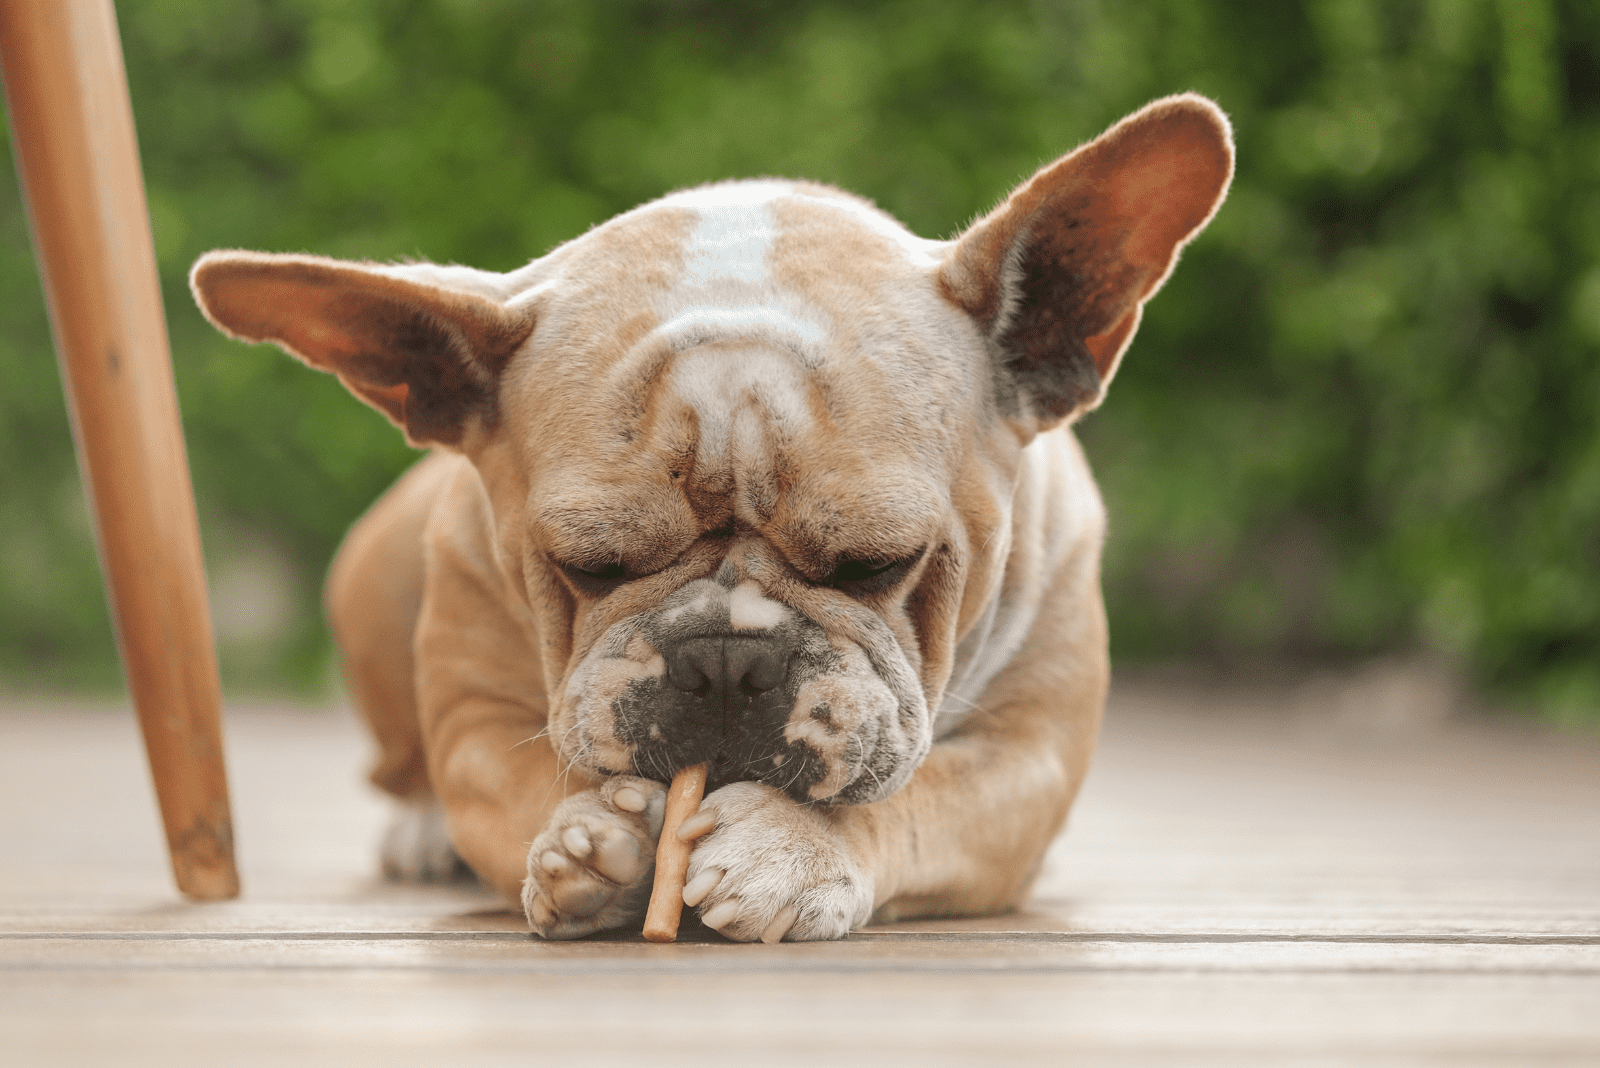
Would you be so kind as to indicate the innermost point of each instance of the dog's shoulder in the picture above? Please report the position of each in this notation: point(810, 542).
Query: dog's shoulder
point(459, 520)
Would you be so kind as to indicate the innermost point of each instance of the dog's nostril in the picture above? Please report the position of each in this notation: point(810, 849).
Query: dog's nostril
point(726, 671)
point(754, 666)
point(766, 673)
point(683, 675)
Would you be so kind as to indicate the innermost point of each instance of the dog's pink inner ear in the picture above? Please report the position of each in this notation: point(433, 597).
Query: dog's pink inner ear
point(426, 357)
point(1058, 273)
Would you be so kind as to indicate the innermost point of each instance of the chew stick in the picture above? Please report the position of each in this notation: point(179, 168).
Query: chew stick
point(672, 855)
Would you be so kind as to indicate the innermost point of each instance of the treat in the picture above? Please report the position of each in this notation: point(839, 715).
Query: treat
point(672, 855)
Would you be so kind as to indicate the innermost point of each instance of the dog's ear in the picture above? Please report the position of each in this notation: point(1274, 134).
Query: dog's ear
point(1056, 276)
point(427, 357)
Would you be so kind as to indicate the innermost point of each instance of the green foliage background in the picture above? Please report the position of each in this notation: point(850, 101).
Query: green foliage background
point(1361, 418)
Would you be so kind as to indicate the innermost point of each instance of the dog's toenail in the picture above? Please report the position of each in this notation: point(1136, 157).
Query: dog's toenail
point(701, 885)
point(722, 914)
point(780, 925)
point(700, 823)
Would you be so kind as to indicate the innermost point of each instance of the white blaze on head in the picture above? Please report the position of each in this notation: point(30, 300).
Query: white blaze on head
point(744, 342)
point(750, 609)
point(727, 291)
point(734, 234)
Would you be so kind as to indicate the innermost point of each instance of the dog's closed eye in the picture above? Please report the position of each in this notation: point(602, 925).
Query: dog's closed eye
point(597, 577)
point(863, 575)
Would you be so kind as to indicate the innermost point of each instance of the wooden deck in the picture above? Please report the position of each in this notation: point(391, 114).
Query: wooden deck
point(1243, 883)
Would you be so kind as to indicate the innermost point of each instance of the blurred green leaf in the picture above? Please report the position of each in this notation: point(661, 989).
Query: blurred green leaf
point(1361, 418)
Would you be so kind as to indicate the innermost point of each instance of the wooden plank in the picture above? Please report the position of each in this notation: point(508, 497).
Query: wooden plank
point(883, 955)
point(1234, 890)
point(72, 127)
point(352, 1018)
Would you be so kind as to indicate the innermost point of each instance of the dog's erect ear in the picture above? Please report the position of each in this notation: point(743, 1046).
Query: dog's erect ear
point(1057, 275)
point(427, 357)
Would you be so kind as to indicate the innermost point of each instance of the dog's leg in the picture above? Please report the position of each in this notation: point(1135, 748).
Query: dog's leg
point(373, 597)
point(966, 835)
point(576, 853)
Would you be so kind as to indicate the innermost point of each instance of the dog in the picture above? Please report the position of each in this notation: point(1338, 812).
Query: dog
point(752, 476)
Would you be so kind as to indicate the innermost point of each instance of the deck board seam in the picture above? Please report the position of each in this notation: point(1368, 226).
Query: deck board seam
point(657, 969)
point(995, 939)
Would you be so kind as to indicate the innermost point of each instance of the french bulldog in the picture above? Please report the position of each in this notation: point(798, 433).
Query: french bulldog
point(751, 476)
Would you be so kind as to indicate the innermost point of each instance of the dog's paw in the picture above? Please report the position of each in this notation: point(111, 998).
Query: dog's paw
point(592, 866)
point(773, 869)
point(416, 845)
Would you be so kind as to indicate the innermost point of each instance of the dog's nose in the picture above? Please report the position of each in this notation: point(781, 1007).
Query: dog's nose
point(726, 672)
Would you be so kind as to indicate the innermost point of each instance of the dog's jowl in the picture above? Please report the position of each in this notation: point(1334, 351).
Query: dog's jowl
point(749, 476)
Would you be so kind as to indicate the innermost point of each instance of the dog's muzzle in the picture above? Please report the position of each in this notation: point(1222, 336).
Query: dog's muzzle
point(786, 704)
point(729, 699)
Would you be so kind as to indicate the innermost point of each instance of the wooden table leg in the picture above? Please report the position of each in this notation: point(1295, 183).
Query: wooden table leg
point(72, 129)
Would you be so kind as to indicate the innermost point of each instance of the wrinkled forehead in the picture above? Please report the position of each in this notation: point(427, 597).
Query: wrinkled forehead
point(743, 324)
point(756, 352)
point(740, 434)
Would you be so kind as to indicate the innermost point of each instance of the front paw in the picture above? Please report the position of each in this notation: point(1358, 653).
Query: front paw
point(773, 869)
point(591, 867)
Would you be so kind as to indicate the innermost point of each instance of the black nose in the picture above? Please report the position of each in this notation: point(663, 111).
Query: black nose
point(726, 672)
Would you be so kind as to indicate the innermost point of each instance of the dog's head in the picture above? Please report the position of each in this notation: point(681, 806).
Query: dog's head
point(750, 448)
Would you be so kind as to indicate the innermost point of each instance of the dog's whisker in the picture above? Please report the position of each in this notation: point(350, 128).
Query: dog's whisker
point(527, 741)
point(659, 766)
point(866, 767)
point(565, 765)
point(972, 706)
point(799, 771)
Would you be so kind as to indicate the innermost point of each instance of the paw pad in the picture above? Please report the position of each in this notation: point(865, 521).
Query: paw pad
point(590, 868)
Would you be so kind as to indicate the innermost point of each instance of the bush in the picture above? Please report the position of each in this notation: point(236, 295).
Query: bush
point(1360, 419)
